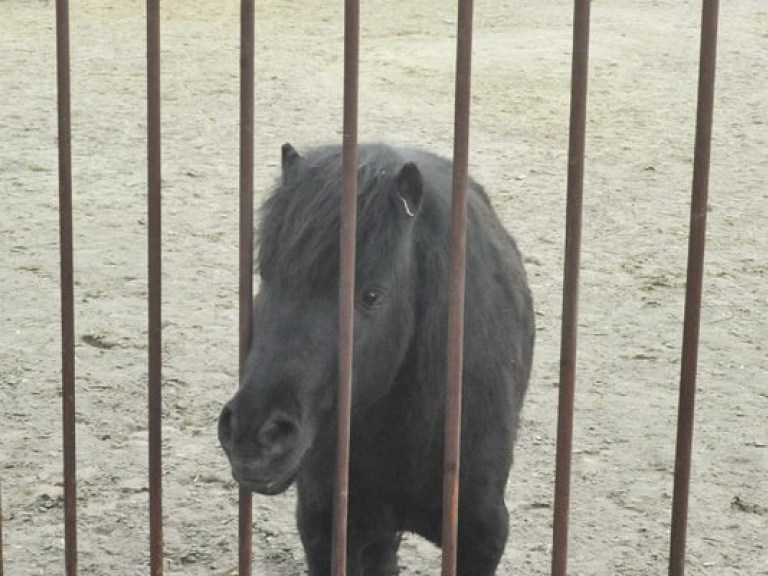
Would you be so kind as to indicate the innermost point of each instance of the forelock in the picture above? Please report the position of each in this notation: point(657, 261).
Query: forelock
point(298, 246)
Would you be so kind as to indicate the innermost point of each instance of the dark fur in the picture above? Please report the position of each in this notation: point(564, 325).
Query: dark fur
point(281, 424)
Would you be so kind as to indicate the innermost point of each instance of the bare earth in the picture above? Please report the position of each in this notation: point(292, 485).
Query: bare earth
point(640, 140)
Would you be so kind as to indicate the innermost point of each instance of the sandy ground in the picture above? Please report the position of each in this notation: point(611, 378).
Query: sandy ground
point(641, 119)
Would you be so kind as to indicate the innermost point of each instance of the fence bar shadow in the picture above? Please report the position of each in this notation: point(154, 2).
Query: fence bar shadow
point(66, 286)
point(694, 282)
point(569, 337)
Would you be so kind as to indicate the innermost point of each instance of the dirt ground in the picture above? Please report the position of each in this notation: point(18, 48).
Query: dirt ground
point(640, 141)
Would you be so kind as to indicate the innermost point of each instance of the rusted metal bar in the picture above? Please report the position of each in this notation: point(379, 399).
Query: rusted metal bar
point(346, 284)
point(154, 253)
point(695, 276)
point(568, 344)
point(247, 56)
point(67, 287)
point(455, 344)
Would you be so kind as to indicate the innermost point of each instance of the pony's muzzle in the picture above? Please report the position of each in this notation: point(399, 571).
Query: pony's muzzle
point(276, 435)
point(260, 453)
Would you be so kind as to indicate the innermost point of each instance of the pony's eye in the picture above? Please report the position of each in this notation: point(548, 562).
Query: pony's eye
point(371, 297)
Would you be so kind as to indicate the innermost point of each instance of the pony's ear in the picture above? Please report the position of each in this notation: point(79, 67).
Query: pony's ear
point(289, 157)
point(410, 189)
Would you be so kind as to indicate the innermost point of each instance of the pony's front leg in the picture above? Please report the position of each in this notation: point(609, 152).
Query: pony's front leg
point(482, 539)
point(316, 531)
point(315, 526)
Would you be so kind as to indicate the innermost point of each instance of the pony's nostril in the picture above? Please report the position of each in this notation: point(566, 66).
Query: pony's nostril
point(226, 425)
point(278, 432)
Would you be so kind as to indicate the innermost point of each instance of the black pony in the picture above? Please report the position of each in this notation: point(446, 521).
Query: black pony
point(280, 426)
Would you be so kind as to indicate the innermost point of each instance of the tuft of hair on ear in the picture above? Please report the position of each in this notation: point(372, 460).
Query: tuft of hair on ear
point(410, 188)
point(288, 157)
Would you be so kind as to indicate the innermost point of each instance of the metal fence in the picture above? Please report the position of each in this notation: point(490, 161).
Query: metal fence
point(460, 179)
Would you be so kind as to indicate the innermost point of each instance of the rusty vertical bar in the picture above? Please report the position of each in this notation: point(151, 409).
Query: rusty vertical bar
point(154, 254)
point(67, 287)
point(568, 344)
point(247, 57)
point(695, 276)
point(455, 344)
point(346, 284)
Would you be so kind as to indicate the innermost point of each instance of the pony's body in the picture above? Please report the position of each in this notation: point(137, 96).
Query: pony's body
point(281, 425)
